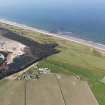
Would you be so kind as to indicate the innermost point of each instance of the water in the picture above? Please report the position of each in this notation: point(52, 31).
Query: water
point(85, 18)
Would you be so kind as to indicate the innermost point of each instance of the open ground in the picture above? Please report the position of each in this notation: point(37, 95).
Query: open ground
point(48, 90)
point(82, 61)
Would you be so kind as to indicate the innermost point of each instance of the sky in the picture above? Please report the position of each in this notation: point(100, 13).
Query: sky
point(76, 2)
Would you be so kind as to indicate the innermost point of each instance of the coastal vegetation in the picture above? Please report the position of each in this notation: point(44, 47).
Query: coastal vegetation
point(72, 59)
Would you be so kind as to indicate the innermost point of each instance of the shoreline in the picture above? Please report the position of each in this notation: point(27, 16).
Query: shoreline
point(65, 37)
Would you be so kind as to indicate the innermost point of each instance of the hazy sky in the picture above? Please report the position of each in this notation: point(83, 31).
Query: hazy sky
point(53, 4)
point(19, 2)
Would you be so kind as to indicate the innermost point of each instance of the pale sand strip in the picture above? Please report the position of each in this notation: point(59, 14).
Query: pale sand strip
point(69, 38)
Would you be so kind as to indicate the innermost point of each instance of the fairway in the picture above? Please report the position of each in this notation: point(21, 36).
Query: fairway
point(48, 90)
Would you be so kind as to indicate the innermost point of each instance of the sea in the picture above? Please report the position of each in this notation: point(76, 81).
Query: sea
point(83, 18)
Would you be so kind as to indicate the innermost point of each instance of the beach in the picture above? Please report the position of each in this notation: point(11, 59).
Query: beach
point(92, 44)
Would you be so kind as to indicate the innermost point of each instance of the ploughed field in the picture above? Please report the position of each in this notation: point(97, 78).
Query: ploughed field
point(48, 90)
point(74, 59)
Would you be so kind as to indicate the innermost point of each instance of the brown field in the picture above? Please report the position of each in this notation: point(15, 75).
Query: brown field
point(76, 92)
point(48, 90)
point(44, 92)
point(12, 92)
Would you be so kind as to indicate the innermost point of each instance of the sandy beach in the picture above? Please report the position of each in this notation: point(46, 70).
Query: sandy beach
point(65, 37)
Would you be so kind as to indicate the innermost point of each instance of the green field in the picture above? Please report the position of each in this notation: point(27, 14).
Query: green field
point(74, 59)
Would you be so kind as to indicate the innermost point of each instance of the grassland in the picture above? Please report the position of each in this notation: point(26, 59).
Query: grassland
point(50, 89)
point(73, 59)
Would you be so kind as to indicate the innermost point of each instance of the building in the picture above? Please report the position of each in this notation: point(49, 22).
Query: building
point(2, 58)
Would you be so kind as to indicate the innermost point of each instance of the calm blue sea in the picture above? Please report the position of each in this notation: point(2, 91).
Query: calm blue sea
point(85, 18)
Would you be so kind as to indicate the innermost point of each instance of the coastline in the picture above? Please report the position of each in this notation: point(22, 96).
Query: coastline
point(65, 37)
